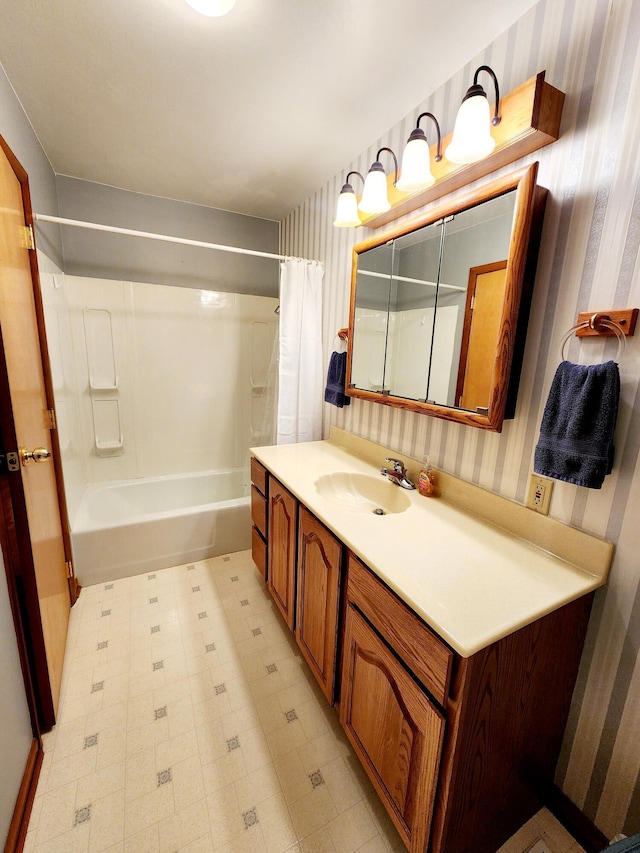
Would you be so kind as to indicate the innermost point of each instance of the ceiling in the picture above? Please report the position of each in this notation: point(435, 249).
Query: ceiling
point(251, 112)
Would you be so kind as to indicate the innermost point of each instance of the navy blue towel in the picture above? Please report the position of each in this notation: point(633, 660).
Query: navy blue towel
point(336, 375)
point(579, 420)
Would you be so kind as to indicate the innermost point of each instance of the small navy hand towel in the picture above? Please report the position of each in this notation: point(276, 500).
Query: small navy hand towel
point(336, 376)
point(579, 420)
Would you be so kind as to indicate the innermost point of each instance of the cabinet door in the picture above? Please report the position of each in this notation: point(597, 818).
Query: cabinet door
point(318, 594)
point(282, 549)
point(395, 729)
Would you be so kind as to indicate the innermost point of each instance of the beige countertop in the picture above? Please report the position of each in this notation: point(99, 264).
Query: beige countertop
point(472, 581)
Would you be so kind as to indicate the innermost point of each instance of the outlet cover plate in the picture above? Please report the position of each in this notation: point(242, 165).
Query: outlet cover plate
point(539, 494)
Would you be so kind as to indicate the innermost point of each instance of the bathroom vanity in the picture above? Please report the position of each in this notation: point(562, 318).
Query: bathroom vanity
point(446, 631)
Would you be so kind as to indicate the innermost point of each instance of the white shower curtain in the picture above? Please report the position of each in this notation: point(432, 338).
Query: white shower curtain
point(300, 379)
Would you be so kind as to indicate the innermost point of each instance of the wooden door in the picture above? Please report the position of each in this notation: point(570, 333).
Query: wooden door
point(26, 425)
point(482, 322)
point(282, 549)
point(318, 599)
point(395, 729)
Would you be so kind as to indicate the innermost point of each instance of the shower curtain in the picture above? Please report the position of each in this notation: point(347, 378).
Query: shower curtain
point(300, 379)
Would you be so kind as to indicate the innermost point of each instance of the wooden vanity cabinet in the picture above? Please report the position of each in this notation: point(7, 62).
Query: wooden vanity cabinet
point(395, 729)
point(259, 497)
point(281, 549)
point(318, 599)
point(459, 749)
point(305, 571)
point(395, 726)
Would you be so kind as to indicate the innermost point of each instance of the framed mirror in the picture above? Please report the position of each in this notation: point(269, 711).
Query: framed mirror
point(439, 306)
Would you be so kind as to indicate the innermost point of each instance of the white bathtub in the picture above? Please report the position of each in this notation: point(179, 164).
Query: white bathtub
point(129, 527)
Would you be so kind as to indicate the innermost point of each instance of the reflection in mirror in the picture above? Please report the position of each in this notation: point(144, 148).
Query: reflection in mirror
point(470, 301)
point(373, 294)
point(412, 314)
point(420, 331)
point(436, 306)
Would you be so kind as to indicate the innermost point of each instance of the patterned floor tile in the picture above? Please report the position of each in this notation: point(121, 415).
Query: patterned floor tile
point(188, 720)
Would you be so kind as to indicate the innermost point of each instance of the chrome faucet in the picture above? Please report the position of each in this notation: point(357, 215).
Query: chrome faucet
point(397, 474)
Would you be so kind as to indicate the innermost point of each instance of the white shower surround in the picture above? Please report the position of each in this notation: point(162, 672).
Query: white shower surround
point(191, 368)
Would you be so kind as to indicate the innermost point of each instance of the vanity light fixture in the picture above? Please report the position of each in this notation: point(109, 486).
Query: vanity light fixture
point(472, 140)
point(415, 173)
point(212, 8)
point(375, 198)
point(347, 209)
point(524, 120)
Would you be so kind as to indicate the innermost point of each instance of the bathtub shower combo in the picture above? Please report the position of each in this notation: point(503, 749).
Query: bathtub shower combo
point(152, 381)
point(154, 432)
point(130, 527)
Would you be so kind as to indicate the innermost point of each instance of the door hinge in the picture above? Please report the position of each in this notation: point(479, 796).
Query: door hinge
point(29, 239)
point(50, 418)
point(69, 566)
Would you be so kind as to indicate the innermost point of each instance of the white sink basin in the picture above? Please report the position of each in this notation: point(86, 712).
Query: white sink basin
point(362, 493)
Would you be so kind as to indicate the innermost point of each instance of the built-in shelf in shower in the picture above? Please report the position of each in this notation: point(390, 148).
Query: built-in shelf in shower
point(97, 387)
point(107, 427)
point(103, 382)
point(261, 346)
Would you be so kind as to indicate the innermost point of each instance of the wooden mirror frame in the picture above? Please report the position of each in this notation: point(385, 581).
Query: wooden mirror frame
point(521, 264)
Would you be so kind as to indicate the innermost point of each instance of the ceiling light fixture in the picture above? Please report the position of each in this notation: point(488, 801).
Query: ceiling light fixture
point(415, 173)
point(212, 8)
point(472, 140)
point(347, 209)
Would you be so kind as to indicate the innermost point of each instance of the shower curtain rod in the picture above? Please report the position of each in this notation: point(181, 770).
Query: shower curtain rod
point(94, 226)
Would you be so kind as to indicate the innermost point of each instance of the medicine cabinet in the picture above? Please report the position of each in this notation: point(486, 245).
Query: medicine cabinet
point(439, 306)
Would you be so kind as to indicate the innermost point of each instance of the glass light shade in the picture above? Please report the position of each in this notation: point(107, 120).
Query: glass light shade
point(416, 167)
point(374, 195)
point(472, 138)
point(212, 8)
point(347, 209)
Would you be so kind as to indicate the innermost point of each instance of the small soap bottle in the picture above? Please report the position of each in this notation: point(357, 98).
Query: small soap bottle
point(427, 479)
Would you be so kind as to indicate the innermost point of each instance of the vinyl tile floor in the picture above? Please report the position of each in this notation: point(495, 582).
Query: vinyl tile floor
point(189, 722)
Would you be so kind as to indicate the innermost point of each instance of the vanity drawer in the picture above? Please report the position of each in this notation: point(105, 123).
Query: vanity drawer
point(259, 476)
point(259, 511)
point(421, 650)
point(259, 552)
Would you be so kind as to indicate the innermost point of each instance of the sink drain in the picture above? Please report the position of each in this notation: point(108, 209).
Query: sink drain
point(378, 511)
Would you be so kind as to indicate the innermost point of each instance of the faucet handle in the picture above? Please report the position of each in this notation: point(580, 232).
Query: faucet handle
point(398, 464)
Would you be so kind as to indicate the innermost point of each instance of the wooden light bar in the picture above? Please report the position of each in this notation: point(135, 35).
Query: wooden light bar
point(530, 119)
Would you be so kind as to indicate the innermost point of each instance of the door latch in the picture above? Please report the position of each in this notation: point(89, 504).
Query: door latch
point(9, 462)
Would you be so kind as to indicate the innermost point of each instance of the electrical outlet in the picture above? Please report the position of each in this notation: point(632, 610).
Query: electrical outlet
point(539, 494)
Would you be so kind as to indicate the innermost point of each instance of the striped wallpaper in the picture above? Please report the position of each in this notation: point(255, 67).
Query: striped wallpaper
point(588, 260)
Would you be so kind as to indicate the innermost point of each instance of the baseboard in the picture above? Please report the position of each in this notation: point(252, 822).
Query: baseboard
point(24, 803)
point(585, 832)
